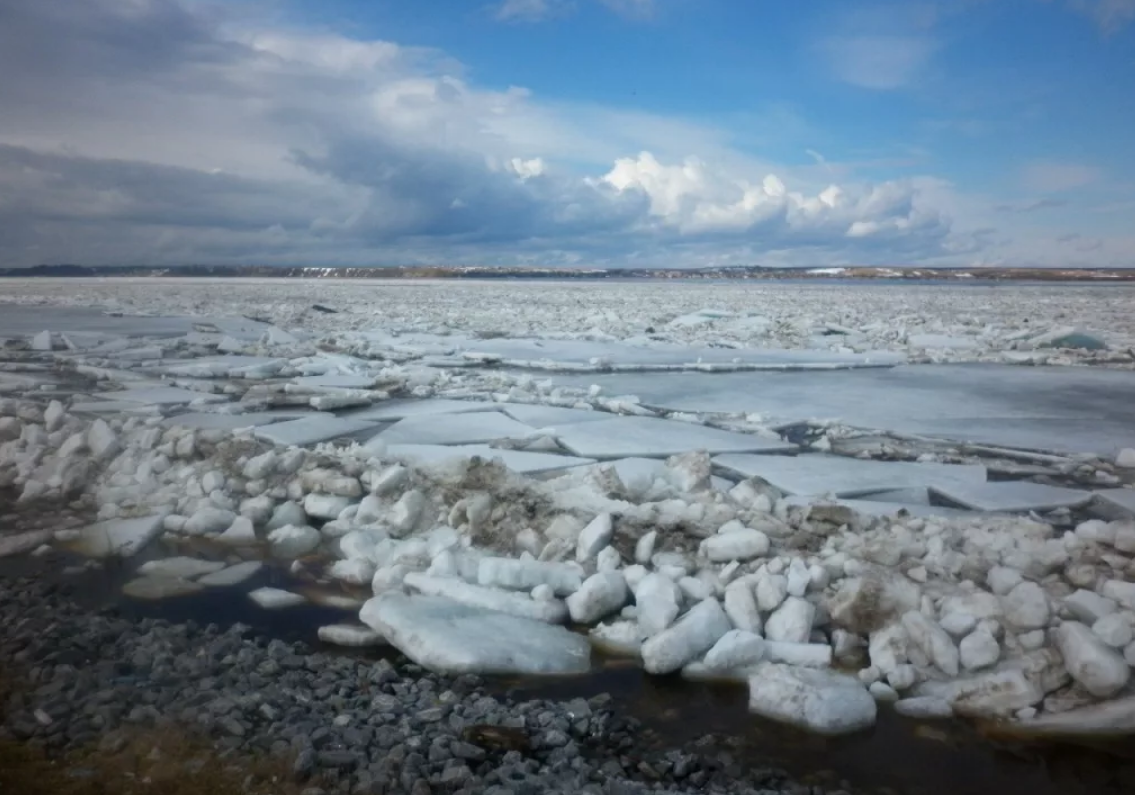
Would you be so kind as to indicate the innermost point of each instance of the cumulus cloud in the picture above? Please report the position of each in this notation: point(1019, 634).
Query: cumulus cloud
point(149, 131)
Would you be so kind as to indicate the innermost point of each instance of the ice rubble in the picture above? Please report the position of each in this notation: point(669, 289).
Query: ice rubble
point(960, 613)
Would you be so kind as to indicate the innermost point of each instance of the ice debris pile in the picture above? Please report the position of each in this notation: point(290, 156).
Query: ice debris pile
point(465, 565)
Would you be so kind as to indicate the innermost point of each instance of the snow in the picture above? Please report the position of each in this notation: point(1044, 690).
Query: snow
point(446, 636)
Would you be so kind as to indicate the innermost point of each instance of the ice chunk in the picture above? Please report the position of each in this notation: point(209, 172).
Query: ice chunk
point(538, 416)
point(792, 621)
point(275, 598)
point(741, 606)
point(694, 634)
point(118, 537)
point(524, 575)
point(21, 543)
point(310, 430)
point(325, 506)
point(735, 649)
point(819, 701)
point(552, 612)
point(520, 461)
point(182, 567)
point(207, 520)
point(293, 541)
point(1095, 666)
point(737, 545)
point(656, 598)
point(400, 409)
point(449, 637)
point(933, 641)
point(1026, 606)
point(159, 587)
point(601, 594)
point(233, 575)
point(618, 637)
point(350, 635)
point(239, 533)
point(596, 535)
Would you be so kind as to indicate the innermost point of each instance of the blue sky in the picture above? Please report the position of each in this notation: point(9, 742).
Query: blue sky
point(558, 132)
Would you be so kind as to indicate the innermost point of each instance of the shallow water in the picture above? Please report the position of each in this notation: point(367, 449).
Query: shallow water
point(897, 756)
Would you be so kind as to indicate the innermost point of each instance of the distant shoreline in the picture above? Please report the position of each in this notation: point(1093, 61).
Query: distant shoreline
point(589, 274)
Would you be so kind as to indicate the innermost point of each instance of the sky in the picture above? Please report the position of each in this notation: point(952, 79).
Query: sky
point(587, 133)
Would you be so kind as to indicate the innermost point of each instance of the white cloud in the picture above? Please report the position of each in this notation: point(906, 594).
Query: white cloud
point(635, 9)
point(1048, 176)
point(1110, 15)
point(881, 62)
point(529, 10)
point(150, 133)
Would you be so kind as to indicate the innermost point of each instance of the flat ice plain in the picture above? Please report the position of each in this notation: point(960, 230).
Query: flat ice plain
point(929, 486)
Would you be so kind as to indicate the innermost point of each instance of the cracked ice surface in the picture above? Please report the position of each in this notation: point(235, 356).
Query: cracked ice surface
point(725, 569)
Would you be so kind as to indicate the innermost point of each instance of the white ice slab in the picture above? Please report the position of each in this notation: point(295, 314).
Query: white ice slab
point(400, 409)
point(182, 567)
point(310, 430)
point(646, 437)
point(21, 543)
point(448, 637)
point(118, 537)
point(517, 460)
point(846, 477)
point(1012, 496)
point(160, 587)
point(252, 419)
point(451, 429)
point(233, 575)
point(551, 416)
point(276, 598)
point(1117, 503)
point(107, 406)
point(161, 395)
point(353, 635)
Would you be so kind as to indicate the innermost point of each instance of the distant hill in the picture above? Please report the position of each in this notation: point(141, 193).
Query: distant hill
point(492, 272)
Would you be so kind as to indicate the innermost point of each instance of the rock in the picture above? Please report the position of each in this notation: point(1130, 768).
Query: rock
point(596, 535)
point(325, 506)
point(737, 545)
point(1088, 606)
point(933, 641)
point(601, 594)
point(1115, 630)
point(292, 541)
point(792, 621)
point(449, 637)
point(692, 635)
point(1099, 669)
point(819, 701)
point(741, 606)
point(979, 649)
point(1026, 606)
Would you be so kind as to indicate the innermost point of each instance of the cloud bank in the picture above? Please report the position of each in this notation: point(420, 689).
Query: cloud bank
point(150, 131)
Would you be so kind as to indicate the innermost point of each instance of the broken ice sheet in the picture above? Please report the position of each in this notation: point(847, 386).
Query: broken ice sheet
point(117, 537)
point(469, 428)
point(877, 508)
point(311, 430)
point(1115, 503)
point(846, 477)
point(161, 395)
point(1011, 496)
point(400, 409)
point(550, 416)
point(647, 437)
point(215, 421)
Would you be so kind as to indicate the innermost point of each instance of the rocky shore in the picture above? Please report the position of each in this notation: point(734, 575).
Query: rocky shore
point(343, 724)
